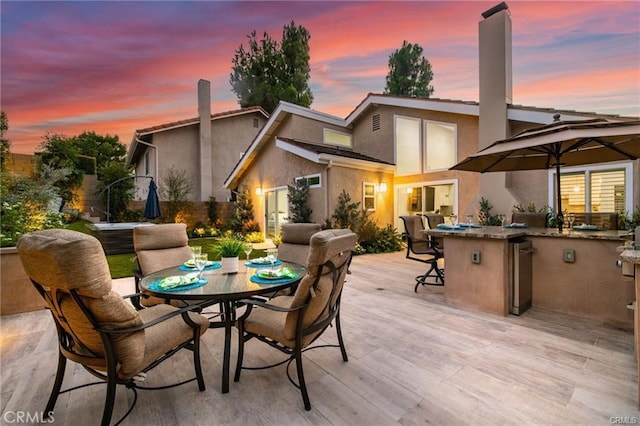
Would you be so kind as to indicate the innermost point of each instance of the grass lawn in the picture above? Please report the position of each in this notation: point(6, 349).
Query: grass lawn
point(122, 265)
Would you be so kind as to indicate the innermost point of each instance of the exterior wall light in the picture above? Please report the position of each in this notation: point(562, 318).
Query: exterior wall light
point(382, 187)
point(259, 191)
point(409, 190)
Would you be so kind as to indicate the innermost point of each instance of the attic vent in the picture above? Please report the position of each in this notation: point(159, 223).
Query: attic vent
point(256, 123)
point(375, 121)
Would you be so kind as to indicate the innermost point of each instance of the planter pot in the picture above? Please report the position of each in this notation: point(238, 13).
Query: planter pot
point(229, 265)
point(17, 294)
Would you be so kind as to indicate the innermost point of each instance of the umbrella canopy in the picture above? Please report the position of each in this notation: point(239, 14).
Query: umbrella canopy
point(152, 206)
point(561, 143)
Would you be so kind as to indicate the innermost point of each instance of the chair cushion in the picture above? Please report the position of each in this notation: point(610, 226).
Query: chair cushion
point(160, 236)
point(160, 338)
point(299, 233)
point(66, 259)
point(151, 261)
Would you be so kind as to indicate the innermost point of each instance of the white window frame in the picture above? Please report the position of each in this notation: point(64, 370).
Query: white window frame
point(318, 175)
point(425, 142)
point(587, 170)
point(365, 196)
point(327, 141)
point(420, 143)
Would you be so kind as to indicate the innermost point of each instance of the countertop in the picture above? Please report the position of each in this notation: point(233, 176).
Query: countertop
point(629, 255)
point(498, 232)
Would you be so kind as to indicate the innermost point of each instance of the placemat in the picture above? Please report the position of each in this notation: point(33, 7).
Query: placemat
point(216, 265)
point(155, 286)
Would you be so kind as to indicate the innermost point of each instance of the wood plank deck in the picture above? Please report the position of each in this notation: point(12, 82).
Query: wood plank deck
point(412, 360)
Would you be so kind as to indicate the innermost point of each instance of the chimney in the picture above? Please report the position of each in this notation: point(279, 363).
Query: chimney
point(495, 95)
point(495, 74)
point(205, 148)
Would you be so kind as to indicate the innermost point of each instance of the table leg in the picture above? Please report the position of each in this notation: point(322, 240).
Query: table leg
point(227, 320)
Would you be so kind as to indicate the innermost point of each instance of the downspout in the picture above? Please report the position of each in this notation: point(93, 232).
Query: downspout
point(326, 190)
point(156, 156)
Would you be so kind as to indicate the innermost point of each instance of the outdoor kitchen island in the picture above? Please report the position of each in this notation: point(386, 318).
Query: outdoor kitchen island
point(572, 272)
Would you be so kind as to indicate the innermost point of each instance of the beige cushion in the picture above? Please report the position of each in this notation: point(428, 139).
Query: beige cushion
point(61, 260)
point(295, 241)
point(325, 245)
point(161, 246)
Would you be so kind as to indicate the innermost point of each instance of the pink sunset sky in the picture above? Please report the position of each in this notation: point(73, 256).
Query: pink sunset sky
point(114, 67)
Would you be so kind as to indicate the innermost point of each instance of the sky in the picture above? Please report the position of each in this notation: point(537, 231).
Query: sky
point(116, 66)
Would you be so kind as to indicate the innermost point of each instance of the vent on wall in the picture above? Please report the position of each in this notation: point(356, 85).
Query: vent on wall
point(256, 123)
point(375, 121)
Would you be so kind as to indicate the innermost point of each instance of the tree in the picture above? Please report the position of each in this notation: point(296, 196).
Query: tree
point(298, 198)
point(5, 145)
point(84, 153)
point(409, 72)
point(243, 219)
point(175, 190)
point(267, 72)
point(119, 194)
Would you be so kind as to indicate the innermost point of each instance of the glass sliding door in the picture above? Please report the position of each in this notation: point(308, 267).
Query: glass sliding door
point(423, 198)
point(277, 211)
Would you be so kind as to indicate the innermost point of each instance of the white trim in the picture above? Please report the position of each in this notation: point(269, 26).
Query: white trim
point(403, 187)
point(364, 196)
point(420, 144)
point(326, 130)
point(316, 185)
point(616, 165)
point(460, 107)
point(283, 109)
point(425, 143)
point(335, 160)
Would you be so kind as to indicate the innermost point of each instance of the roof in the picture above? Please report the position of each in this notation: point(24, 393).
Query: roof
point(183, 123)
point(515, 112)
point(328, 153)
point(196, 120)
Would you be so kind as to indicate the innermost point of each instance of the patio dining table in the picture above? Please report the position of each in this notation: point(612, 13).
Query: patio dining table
point(223, 288)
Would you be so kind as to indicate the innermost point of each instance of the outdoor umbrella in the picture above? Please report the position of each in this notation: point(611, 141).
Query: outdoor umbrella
point(152, 206)
point(561, 143)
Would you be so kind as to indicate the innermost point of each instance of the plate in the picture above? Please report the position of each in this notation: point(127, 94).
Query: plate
point(192, 264)
point(177, 281)
point(270, 274)
point(261, 261)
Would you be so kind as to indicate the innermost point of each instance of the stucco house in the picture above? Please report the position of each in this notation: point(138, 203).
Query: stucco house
point(393, 154)
point(204, 147)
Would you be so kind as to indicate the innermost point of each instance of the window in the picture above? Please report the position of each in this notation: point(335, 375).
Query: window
point(333, 137)
point(424, 146)
point(440, 145)
point(603, 188)
point(369, 196)
point(147, 164)
point(312, 180)
point(407, 134)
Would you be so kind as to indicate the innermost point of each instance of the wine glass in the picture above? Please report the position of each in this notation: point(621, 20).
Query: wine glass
point(201, 262)
point(501, 218)
point(453, 218)
point(195, 250)
point(272, 255)
point(571, 218)
point(469, 219)
point(248, 248)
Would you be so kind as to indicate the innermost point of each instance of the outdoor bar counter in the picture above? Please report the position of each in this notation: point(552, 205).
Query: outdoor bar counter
point(572, 272)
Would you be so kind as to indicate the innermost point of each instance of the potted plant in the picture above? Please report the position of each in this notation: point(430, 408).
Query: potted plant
point(229, 250)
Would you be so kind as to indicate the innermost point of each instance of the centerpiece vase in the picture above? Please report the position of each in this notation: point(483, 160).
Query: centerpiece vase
point(230, 265)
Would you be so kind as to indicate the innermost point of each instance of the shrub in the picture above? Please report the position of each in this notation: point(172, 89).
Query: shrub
point(254, 237)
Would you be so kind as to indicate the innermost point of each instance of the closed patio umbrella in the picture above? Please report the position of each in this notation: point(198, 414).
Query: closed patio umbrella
point(152, 206)
point(561, 143)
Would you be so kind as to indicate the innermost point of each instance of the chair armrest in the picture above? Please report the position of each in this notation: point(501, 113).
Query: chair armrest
point(250, 303)
point(183, 311)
